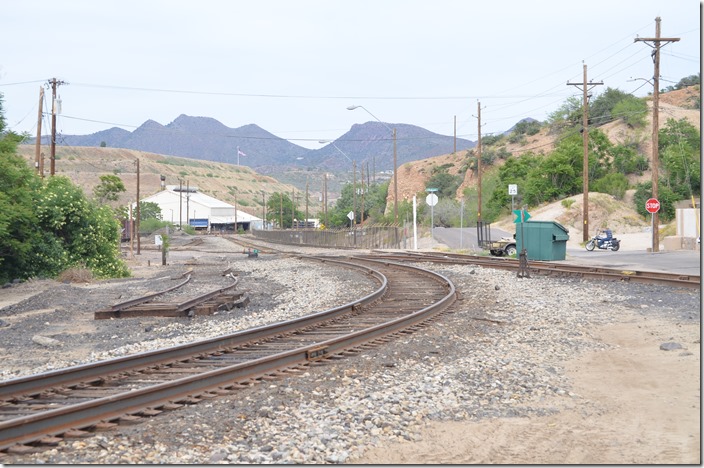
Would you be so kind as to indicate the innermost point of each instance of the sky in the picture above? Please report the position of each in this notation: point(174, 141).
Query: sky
point(293, 67)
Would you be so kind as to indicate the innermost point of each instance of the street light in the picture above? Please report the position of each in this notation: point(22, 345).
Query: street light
point(354, 179)
point(393, 131)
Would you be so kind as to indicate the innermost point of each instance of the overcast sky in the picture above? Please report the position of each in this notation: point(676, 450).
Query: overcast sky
point(294, 66)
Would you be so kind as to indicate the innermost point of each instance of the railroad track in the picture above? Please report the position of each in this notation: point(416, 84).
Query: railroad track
point(203, 304)
point(546, 268)
point(42, 410)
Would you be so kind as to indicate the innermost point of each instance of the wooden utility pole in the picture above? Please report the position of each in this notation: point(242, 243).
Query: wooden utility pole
point(479, 162)
point(395, 182)
point(139, 243)
point(354, 193)
point(305, 225)
point(361, 211)
point(585, 141)
point(52, 157)
point(657, 43)
point(38, 144)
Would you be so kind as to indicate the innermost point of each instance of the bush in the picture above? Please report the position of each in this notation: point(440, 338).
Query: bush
point(75, 275)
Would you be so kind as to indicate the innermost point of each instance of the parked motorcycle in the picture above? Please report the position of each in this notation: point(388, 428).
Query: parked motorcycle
point(606, 244)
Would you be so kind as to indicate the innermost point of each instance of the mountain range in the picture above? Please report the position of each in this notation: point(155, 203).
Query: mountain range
point(206, 138)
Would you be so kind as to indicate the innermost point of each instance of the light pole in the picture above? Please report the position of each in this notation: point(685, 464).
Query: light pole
point(354, 178)
point(393, 132)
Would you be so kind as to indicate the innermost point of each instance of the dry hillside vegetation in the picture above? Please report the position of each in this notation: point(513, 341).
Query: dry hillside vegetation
point(85, 165)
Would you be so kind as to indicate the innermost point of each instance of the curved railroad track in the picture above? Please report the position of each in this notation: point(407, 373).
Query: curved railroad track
point(43, 409)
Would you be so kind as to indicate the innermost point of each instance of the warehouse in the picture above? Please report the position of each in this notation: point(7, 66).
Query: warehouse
point(187, 206)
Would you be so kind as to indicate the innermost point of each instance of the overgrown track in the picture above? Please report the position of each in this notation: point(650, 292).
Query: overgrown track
point(43, 409)
point(546, 268)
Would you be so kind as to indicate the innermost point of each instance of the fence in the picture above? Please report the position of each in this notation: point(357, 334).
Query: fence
point(361, 237)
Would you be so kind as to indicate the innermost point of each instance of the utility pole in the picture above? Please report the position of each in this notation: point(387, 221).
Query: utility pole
point(585, 140)
point(263, 210)
point(479, 162)
point(395, 182)
point(180, 204)
point(306, 220)
point(236, 210)
point(354, 193)
point(657, 43)
point(139, 243)
point(38, 144)
point(361, 211)
point(325, 196)
point(54, 83)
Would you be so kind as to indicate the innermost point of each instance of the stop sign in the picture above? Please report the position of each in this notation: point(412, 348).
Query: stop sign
point(652, 205)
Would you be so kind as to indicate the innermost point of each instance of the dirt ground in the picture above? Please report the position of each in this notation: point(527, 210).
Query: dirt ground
point(644, 408)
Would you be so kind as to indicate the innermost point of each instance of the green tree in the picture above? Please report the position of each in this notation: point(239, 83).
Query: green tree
point(109, 188)
point(614, 183)
point(568, 115)
point(149, 210)
point(632, 111)
point(88, 233)
point(280, 208)
point(445, 182)
point(680, 156)
point(19, 236)
point(601, 109)
point(666, 197)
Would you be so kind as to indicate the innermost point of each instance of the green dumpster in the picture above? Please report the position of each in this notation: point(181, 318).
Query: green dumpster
point(544, 240)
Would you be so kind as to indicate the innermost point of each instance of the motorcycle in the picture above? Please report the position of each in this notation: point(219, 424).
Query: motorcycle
point(606, 244)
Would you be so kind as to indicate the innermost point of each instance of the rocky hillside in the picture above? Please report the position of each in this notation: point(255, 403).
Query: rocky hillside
point(675, 104)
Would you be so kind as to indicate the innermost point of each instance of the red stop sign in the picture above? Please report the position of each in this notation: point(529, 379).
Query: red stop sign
point(652, 205)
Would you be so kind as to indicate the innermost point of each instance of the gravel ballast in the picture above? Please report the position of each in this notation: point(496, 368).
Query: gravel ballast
point(498, 353)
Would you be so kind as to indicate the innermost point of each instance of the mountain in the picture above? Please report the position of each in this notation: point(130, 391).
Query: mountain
point(207, 139)
point(198, 138)
point(373, 142)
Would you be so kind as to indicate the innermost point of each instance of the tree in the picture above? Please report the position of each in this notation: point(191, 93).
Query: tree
point(568, 115)
point(601, 109)
point(280, 208)
point(445, 182)
point(149, 210)
point(680, 148)
point(109, 188)
point(632, 111)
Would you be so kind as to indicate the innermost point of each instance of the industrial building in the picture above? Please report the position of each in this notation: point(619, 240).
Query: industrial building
point(187, 206)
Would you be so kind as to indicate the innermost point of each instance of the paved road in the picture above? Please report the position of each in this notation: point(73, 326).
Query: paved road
point(686, 262)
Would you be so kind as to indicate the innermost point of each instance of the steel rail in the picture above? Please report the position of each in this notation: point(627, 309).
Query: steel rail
point(86, 414)
point(551, 268)
point(34, 384)
point(147, 298)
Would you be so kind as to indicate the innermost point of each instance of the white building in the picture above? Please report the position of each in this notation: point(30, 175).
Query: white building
point(188, 206)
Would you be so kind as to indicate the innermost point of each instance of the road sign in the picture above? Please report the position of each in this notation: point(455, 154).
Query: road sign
point(512, 189)
point(431, 199)
point(526, 215)
point(652, 205)
point(350, 215)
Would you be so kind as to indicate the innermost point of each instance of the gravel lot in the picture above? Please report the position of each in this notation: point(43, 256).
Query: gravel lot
point(499, 353)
